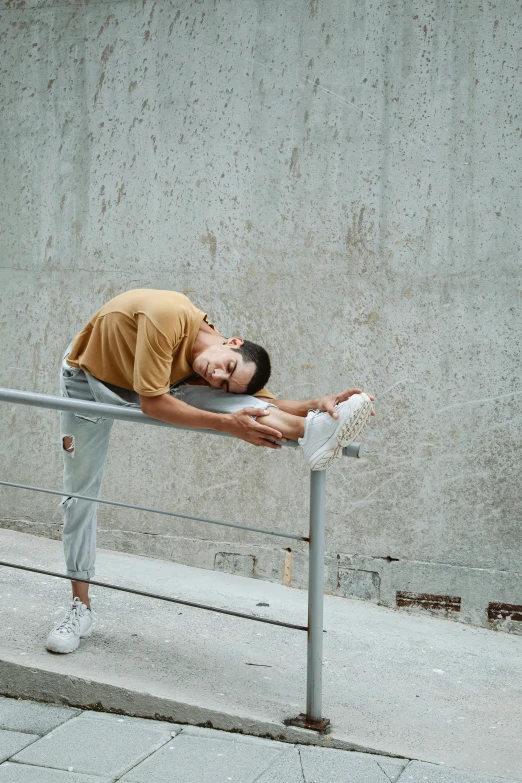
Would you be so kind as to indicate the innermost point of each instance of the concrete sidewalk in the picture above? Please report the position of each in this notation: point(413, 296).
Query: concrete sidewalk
point(44, 744)
point(407, 686)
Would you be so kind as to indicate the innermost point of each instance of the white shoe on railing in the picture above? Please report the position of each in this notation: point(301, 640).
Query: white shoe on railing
point(324, 436)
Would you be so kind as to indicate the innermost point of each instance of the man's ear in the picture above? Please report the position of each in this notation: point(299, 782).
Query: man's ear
point(235, 342)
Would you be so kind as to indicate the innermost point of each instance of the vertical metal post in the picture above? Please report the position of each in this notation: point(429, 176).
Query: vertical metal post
point(314, 675)
point(314, 683)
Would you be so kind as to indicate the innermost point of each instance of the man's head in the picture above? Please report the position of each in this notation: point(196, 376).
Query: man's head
point(235, 365)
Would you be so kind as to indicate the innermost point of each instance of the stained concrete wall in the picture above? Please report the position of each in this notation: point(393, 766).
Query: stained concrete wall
point(336, 179)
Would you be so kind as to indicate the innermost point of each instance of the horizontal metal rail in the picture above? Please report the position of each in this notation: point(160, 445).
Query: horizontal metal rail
point(64, 494)
point(121, 412)
point(159, 597)
point(312, 719)
point(100, 410)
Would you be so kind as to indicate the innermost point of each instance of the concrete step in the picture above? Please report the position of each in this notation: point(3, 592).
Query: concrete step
point(407, 686)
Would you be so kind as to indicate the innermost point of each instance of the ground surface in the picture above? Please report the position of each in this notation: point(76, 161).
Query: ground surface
point(417, 687)
point(40, 743)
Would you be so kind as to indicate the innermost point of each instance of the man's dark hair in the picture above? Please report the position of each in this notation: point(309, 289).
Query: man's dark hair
point(252, 352)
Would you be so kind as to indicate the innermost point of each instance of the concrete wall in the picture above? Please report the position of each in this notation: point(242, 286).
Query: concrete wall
point(337, 179)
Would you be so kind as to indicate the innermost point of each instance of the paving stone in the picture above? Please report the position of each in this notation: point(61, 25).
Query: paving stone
point(199, 731)
point(327, 765)
point(193, 759)
point(421, 772)
point(13, 741)
point(392, 768)
point(95, 746)
point(127, 719)
point(285, 769)
point(32, 717)
point(23, 773)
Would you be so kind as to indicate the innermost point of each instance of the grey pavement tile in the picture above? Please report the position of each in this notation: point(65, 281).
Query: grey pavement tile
point(153, 724)
point(95, 746)
point(23, 773)
point(392, 768)
point(328, 765)
point(232, 736)
point(422, 772)
point(13, 741)
point(201, 760)
point(31, 717)
point(285, 769)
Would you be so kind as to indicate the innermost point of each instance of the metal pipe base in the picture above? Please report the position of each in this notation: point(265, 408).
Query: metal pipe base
point(322, 725)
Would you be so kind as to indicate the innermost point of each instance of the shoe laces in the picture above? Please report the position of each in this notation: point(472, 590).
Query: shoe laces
point(317, 410)
point(71, 621)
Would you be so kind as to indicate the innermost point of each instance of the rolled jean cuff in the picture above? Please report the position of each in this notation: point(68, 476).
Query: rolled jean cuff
point(81, 574)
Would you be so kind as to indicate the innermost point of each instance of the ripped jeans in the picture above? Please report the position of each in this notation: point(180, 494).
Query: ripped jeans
point(85, 460)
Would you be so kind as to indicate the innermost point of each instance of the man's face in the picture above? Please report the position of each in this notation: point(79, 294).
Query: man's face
point(224, 368)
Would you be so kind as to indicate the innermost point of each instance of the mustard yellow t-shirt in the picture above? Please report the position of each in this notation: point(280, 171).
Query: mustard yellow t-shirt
point(141, 340)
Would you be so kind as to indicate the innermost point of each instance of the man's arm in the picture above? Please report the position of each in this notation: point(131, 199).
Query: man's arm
point(328, 403)
point(241, 424)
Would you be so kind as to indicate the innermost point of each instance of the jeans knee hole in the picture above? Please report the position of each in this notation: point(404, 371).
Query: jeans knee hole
point(68, 444)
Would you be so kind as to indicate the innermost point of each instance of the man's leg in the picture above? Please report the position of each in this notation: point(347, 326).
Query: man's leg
point(321, 437)
point(84, 447)
point(292, 427)
point(80, 589)
point(218, 401)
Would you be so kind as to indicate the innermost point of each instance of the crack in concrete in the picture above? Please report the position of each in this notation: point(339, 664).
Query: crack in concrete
point(301, 762)
point(478, 402)
point(404, 770)
point(271, 764)
point(385, 773)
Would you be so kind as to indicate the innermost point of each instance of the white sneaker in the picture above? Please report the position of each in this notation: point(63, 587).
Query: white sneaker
point(324, 436)
point(65, 636)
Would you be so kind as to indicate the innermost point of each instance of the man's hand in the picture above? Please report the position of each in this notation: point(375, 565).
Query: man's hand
point(242, 425)
point(329, 402)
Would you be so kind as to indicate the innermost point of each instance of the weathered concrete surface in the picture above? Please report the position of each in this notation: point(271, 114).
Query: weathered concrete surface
point(197, 755)
point(32, 718)
point(97, 747)
point(13, 741)
point(337, 179)
point(415, 687)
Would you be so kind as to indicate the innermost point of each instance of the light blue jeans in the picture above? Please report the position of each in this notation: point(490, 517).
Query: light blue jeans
point(84, 465)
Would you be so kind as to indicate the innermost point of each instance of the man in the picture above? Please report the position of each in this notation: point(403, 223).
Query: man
point(155, 349)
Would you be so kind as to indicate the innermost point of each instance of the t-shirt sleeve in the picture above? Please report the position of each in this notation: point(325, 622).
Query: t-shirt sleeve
point(264, 393)
point(153, 359)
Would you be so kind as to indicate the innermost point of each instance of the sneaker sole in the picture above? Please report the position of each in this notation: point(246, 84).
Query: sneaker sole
point(55, 648)
point(352, 429)
point(348, 433)
point(69, 648)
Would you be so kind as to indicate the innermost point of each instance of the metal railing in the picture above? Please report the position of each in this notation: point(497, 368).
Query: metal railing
point(312, 718)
